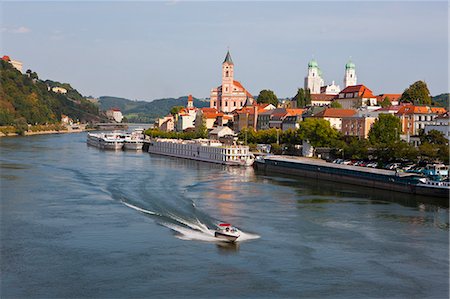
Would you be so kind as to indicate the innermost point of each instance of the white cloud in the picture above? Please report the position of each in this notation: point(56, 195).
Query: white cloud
point(16, 30)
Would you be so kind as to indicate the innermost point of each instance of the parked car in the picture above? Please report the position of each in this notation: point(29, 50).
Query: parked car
point(372, 164)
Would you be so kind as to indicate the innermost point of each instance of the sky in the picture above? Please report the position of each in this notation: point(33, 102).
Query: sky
point(150, 50)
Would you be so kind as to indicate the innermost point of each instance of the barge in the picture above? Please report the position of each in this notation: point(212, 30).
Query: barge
point(368, 177)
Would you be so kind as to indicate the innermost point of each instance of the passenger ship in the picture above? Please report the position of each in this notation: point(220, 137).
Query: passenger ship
point(109, 141)
point(134, 141)
point(202, 150)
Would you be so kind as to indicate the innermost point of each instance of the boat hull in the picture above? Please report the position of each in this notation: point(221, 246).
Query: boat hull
point(224, 236)
point(134, 146)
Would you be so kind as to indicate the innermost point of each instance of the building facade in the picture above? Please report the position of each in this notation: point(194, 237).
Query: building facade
point(335, 115)
point(114, 114)
point(358, 126)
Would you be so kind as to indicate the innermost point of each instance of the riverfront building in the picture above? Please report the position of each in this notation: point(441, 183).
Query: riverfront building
point(186, 116)
point(231, 95)
point(356, 96)
point(335, 116)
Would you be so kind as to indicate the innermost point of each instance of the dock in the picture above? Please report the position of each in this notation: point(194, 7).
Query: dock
point(356, 175)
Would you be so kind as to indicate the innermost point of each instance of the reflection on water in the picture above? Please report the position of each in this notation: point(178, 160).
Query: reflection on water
point(227, 247)
point(322, 188)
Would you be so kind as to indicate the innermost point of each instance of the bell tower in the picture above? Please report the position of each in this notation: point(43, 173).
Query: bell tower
point(227, 74)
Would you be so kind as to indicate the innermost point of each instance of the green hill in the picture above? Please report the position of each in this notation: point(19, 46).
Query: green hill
point(143, 111)
point(441, 100)
point(24, 99)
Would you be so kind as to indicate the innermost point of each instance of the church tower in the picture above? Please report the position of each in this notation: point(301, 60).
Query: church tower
point(227, 82)
point(314, 80)
point(227, 79)
point(350, 74)
point(230, 95)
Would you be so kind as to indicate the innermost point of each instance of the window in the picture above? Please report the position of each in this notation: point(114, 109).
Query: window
point(226, 104)
point(226, 74)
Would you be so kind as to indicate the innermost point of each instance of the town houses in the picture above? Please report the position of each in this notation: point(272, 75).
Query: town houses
point(352, 110)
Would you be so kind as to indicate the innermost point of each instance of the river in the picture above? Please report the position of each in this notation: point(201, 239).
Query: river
point(78, 222)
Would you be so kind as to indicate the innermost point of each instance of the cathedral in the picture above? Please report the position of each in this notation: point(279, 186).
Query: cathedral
point(315, 83)
point(231, 95)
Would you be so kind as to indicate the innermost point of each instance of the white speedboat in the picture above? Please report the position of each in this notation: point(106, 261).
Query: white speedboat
point(227, 232)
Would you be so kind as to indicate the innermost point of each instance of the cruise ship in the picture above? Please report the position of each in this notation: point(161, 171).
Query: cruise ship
point(108, 141)
point(202, 150)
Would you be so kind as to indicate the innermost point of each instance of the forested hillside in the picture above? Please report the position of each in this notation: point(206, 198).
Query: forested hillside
point(441, 100)
point(143, 111)
point(24, 99)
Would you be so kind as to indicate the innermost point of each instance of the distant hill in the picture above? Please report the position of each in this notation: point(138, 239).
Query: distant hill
point(143, 111)
point(441, 100)
point(24, 99)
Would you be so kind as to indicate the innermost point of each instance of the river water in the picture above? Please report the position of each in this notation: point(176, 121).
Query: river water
point(78, 222)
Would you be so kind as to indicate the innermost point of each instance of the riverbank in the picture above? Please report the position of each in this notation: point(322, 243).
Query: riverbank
point(44, 132)
point(368, 177)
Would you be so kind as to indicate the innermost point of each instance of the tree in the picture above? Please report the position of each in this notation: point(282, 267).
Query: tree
point(417, 93)
point(433, 137)
point(318, 132)
point(386, 102)
point(386, 130)
point(335, 104)
point(202, 130)
point(267, 96)
point(303, 98)
point(357, 148)
point(175, 110)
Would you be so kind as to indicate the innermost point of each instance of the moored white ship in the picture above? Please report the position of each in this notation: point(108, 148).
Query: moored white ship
point(134, 141)
point(202, 150)
point(108, 141)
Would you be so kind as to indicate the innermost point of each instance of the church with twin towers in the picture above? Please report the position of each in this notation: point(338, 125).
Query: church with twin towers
point(316, 85)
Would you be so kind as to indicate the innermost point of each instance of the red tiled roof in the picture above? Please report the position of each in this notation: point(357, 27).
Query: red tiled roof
point(6, 58)
point(206, 109)
point(438, 110)
point(251, 109)
point(212, 114)
point(294, 112)
point(336, 112)
point(412, 109)
point(391, 96)
point(239, 85)
point(362, 90)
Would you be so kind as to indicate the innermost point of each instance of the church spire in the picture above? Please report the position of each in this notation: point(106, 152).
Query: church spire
point(228, 58)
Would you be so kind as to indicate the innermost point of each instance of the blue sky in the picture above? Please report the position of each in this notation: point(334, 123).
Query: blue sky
point(150, 50)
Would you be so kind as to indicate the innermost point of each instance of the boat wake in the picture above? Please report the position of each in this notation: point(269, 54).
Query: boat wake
point(193, 230)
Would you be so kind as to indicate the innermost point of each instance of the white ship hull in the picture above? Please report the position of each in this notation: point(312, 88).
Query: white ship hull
point(105, 141)
point(202, 150)
point(135, 145)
